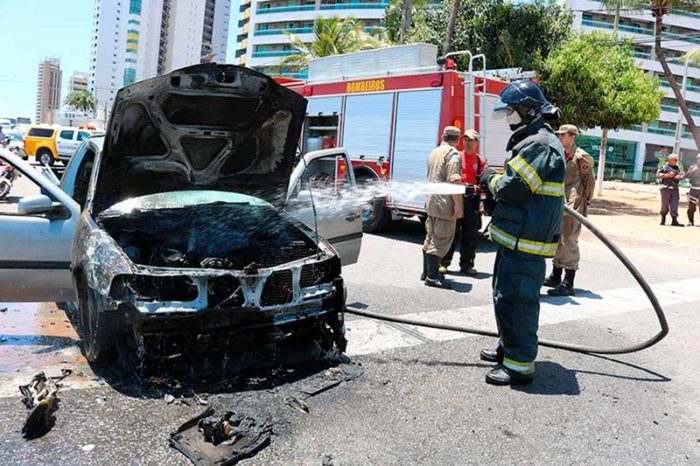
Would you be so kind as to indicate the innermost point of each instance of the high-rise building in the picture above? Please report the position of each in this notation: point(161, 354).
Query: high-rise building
point(48, 92)
point(634, 153)
point(138, 39)
point(261, 38)
point(78, 82)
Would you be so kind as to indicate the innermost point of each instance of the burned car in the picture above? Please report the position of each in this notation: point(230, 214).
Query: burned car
point(198, 227)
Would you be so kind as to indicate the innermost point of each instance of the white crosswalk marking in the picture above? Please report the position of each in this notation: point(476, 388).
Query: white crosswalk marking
point(366, 337)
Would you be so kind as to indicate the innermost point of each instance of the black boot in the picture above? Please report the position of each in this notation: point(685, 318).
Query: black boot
point(424, 275)
point(663, 220)
point(434, 278)
point(554, 278)
point(691, 219)
point(501, 375)
point(492, 355)
point(566, 287)
point(675, 222)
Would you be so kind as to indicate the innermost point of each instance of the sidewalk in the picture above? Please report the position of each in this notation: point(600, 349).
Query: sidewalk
point(629, 214)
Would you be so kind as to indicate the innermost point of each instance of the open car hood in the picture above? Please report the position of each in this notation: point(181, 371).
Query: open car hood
point(208, 126)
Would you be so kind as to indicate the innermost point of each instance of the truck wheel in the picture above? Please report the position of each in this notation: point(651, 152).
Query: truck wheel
point(98, 327)
point(45, 157)
point(375, 217)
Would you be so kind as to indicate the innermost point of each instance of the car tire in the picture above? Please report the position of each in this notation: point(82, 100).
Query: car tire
point(99, 328)
point(375, 216)
point(4, 190)
point(45, 157)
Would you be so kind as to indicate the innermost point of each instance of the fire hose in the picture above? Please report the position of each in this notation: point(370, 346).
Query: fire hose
point(556, 344)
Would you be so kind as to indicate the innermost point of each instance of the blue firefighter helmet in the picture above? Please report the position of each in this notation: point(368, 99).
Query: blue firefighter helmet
point(526, 98)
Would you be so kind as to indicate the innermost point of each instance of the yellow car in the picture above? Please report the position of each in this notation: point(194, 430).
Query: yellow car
point(40, 141)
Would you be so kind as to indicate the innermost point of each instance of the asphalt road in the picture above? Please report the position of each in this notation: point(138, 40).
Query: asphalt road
point(421, 396)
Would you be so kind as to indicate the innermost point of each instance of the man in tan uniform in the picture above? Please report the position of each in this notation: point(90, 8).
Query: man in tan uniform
point(444, 166)
point(578, 185)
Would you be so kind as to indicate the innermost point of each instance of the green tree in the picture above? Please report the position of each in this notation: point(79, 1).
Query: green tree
point(596, 83)
point(82, 101)
point(693, 56)
point(399, 18)
point(509, 34)
point(659, 9)
point(617, 5)
point(332, 36)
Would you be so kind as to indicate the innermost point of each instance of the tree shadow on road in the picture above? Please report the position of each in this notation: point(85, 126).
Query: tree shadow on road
point(609, 207)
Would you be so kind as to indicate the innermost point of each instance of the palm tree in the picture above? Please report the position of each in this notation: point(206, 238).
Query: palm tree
point(693, 56)
point(660, 8)
point(81, 100)
point(617, 5)
point(454, 11)
point(332, 36)
point(406, 16)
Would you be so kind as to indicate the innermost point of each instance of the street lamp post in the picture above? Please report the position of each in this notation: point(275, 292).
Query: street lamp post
point(679, 122)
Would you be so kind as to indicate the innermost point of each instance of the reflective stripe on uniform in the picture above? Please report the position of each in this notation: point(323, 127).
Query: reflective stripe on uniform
point(550, 188)
point(526, 172)
point(521, 367)
point(537, 248)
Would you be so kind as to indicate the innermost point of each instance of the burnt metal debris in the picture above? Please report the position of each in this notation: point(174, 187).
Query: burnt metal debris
point(40, 396)
point(221, 439)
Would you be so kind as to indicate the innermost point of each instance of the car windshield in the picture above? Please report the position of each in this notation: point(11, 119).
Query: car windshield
point(179, 199)
point(15, 137)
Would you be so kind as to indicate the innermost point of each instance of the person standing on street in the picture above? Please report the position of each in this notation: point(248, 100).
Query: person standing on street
point(669, 175)
point(578, 187)
point(444, 166)
point(473, 166)
point(693, 175)
point(525, 225)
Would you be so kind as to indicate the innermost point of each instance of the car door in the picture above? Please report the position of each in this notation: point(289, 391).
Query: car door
point(324, 181)
point(35, 243)
point(65, 141)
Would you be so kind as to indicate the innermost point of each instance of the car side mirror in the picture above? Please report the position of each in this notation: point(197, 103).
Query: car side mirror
point(37, 205)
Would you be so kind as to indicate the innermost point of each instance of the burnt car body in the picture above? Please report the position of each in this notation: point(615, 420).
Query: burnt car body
point(188, 228)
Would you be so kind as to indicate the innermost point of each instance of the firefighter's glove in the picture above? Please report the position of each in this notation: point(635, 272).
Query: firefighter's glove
point(486, 177)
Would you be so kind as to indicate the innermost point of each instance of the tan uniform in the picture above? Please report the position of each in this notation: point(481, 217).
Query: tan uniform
point(444, 166)
point(578, 185)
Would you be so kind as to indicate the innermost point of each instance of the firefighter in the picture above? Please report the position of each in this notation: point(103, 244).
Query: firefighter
point(444, 166)
point(693, 175)
point(525, 225)
point(578, 187)
point(473, 166)
point(668, 176)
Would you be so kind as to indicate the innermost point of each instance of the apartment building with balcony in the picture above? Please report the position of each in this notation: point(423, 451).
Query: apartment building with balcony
point(634, 153)
point(140, 39)
point(261, 38)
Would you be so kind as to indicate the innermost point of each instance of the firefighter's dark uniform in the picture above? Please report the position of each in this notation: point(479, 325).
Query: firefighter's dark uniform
point(693, 176)
point(526, 226)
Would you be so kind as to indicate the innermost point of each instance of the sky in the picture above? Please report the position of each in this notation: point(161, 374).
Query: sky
point(31, 30)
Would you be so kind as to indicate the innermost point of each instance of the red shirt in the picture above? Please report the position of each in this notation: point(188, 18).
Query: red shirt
point(473, 166)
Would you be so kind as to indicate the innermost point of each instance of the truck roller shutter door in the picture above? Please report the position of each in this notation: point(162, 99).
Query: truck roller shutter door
point(497, 135)
point(367, 125)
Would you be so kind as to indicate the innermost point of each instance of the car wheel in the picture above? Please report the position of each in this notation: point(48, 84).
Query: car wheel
point(4, 189)
point(375, 217)
point(98, 327)
point(45, 157)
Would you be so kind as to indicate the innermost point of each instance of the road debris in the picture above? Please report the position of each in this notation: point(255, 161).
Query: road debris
point(40, 397)
point(327, 460)
point(168, 398)
point(210, 439)
point(297, 403)
point(88, 447)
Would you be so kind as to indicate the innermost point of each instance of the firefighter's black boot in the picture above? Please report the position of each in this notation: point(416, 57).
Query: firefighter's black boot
point(554, 278)
point(492, 355)
point(675, 222)
point(566, 287)
point(691, 219)
point(434, 278)
point(501, 375)
point(424, 275)
point(663, 220)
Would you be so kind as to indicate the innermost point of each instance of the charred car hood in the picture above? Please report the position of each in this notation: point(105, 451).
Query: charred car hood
point(209, 126)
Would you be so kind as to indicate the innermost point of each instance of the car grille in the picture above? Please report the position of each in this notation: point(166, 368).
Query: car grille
point(314, 274)
point(278, 289)
point(224, 291)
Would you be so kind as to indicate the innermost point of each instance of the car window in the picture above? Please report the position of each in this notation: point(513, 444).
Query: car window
point(66, 134)
point(326, 176)
point(41, 132)
point(82, 135)
point(82, 178)
point(22, 187)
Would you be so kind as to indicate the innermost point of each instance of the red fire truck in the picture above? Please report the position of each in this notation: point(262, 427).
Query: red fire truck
point(389, 114)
